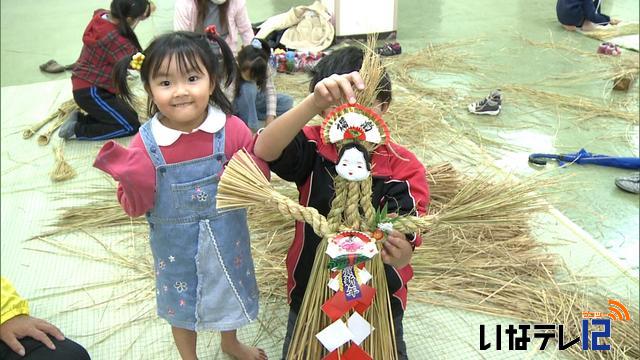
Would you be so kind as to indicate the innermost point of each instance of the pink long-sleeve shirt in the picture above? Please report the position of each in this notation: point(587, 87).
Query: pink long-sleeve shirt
point(136, 175)
point(186, 14)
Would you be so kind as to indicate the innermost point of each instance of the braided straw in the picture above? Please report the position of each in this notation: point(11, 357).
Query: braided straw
point(369, 213)
point(292, 210)
point(351, 213)
point(337, 205)
point(243, 185)
point(33, 129)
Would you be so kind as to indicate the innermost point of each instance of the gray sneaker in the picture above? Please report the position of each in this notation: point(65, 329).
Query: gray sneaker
point(67, 130)
point(485, 106)
point(629, 183)
point(496, 95)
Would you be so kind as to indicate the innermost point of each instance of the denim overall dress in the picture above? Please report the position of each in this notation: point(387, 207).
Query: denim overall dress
point(205, 277)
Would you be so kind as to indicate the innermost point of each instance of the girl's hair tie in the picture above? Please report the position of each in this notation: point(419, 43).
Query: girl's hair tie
point(211, 29)
point(256, 44)
point(136, 61)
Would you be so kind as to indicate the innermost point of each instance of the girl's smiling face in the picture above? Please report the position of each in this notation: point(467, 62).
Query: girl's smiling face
point(181, 93)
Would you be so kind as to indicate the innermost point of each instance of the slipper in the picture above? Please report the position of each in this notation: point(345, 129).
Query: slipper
point(52, 67)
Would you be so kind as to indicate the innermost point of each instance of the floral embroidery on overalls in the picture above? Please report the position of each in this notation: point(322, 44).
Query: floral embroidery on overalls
point(200, 195)
point(171, 312)
point(172, 258)
point(237, 261)
point(182, 302)
point(162, 265)
point(180, 286)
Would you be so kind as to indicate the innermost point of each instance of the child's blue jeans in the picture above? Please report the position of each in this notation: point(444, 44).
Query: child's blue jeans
point(251, 105)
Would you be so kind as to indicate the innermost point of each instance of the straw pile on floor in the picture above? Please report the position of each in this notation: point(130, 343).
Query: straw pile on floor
point(612, 31)
point(614, 70)
point(490, 268)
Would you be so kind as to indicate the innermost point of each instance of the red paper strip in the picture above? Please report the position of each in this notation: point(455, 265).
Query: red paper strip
point(333, 355)
point(363, 303)
point(355, 352)
point(337, 305)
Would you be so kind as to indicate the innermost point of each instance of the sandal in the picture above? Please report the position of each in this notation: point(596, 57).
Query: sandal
point(52, 67)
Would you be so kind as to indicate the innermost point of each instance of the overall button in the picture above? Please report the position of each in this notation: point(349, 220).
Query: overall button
point(218, 157)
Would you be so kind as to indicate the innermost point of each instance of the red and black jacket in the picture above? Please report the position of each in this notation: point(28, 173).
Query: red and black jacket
point(103, 46)
point(399, 180)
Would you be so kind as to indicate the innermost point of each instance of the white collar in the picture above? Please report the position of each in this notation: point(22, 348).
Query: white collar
point(166, 136)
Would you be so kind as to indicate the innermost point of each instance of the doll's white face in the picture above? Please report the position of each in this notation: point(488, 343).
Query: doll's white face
point(352, 166)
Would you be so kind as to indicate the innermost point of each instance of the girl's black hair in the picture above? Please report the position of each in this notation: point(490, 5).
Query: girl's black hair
point(254, 58)
point(123, 9)
point(344, 61)
point(186, 48)
point(359, 147)
point(202, 7)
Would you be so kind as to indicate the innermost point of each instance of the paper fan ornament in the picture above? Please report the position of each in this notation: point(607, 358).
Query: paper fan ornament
point(354, 122)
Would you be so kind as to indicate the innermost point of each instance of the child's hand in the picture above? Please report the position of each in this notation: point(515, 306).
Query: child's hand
point(330, 91)
point(397, 250)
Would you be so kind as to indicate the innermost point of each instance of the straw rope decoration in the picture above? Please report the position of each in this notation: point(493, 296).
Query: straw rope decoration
point(240, 185)
point(61, 170)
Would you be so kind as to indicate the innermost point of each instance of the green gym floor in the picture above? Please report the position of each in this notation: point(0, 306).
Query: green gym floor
point(599, 221)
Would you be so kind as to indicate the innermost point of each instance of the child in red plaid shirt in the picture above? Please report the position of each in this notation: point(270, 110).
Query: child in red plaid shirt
point(108, 37)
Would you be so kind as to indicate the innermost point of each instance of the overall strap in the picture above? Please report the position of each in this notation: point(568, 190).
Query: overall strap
point(218, 141)
point(150, 144)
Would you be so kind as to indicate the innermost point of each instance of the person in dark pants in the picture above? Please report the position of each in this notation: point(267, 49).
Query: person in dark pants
point(26, 337)
point(583, 14)
point(108, 37)
point(297, 153)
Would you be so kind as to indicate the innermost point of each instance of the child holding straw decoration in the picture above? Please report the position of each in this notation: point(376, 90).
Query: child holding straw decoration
point(205, 277)
point(398, 182)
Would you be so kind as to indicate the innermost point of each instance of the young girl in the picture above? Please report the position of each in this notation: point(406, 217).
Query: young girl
point(229, 16)
point(108, 37)
point(254, 94)
point(204, 272)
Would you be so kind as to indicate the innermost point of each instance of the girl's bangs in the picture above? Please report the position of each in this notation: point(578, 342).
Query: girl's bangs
point(188, 60)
